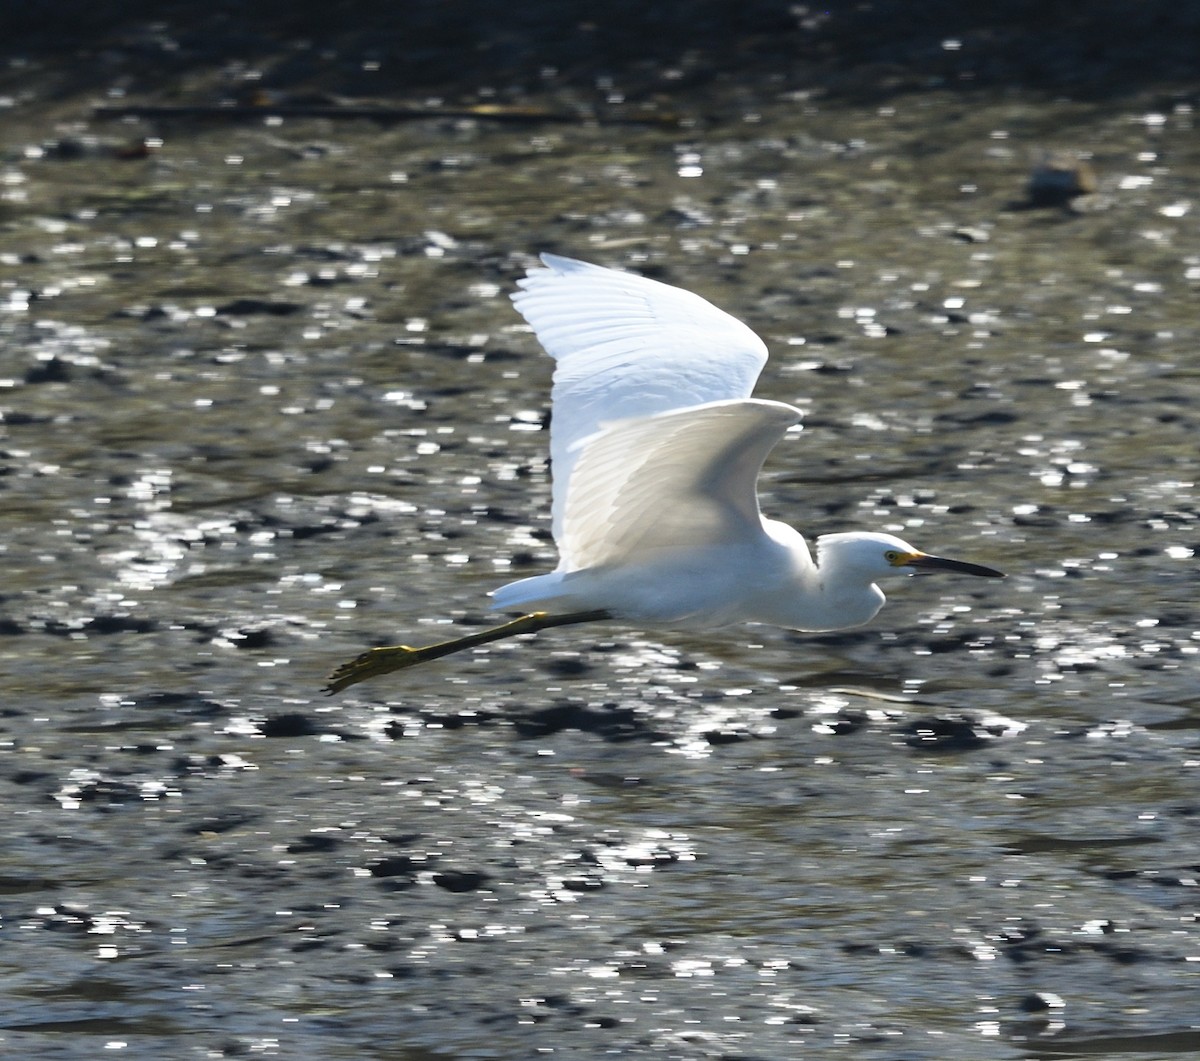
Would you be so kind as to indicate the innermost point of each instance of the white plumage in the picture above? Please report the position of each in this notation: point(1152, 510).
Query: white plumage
point(625, 346)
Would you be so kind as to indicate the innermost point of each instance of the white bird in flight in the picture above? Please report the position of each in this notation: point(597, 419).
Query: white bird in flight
point(656, 448)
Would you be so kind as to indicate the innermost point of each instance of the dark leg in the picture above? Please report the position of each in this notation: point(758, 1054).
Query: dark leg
point(377, 661)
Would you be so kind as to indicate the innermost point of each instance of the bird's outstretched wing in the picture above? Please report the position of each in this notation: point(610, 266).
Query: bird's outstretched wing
point(625, 347)
point(676, 480)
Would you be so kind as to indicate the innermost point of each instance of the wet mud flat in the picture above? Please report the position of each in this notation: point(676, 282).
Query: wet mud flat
point(265, 403)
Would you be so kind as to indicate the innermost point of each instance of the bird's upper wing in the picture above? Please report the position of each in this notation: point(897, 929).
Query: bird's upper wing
point(626, 346)
point(676, 480)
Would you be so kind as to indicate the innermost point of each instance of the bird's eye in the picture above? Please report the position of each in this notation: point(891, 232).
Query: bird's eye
point(891, 556)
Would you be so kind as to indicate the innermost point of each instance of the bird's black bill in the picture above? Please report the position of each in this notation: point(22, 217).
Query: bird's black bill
point(940, 563)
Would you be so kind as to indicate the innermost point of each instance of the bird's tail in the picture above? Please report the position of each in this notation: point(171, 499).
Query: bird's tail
point(536, 593)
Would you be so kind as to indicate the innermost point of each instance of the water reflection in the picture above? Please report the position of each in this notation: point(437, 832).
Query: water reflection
point(256, 415)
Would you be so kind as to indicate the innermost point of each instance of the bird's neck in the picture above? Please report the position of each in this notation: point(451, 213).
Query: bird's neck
point(848, 597)
point(851, 603)
point(817, 596)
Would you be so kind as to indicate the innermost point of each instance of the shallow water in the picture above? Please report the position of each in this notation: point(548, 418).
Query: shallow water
point(265, 403)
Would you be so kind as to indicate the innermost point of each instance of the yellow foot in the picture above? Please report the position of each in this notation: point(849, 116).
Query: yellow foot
point(373, 663)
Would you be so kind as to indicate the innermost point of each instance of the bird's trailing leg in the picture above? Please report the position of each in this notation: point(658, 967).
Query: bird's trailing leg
point(377, 661)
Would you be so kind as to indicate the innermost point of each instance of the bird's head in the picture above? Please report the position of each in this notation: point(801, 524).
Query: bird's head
point(870, 555)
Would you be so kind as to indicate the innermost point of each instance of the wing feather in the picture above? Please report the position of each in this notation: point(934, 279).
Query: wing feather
point(681, 479)
point(627, 346)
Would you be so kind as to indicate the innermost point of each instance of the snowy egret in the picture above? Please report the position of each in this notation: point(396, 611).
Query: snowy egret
point(656, 447)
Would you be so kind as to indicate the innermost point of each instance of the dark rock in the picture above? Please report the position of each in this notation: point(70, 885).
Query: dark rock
point(53, 370)
point(288, 724)
point(459, 880)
